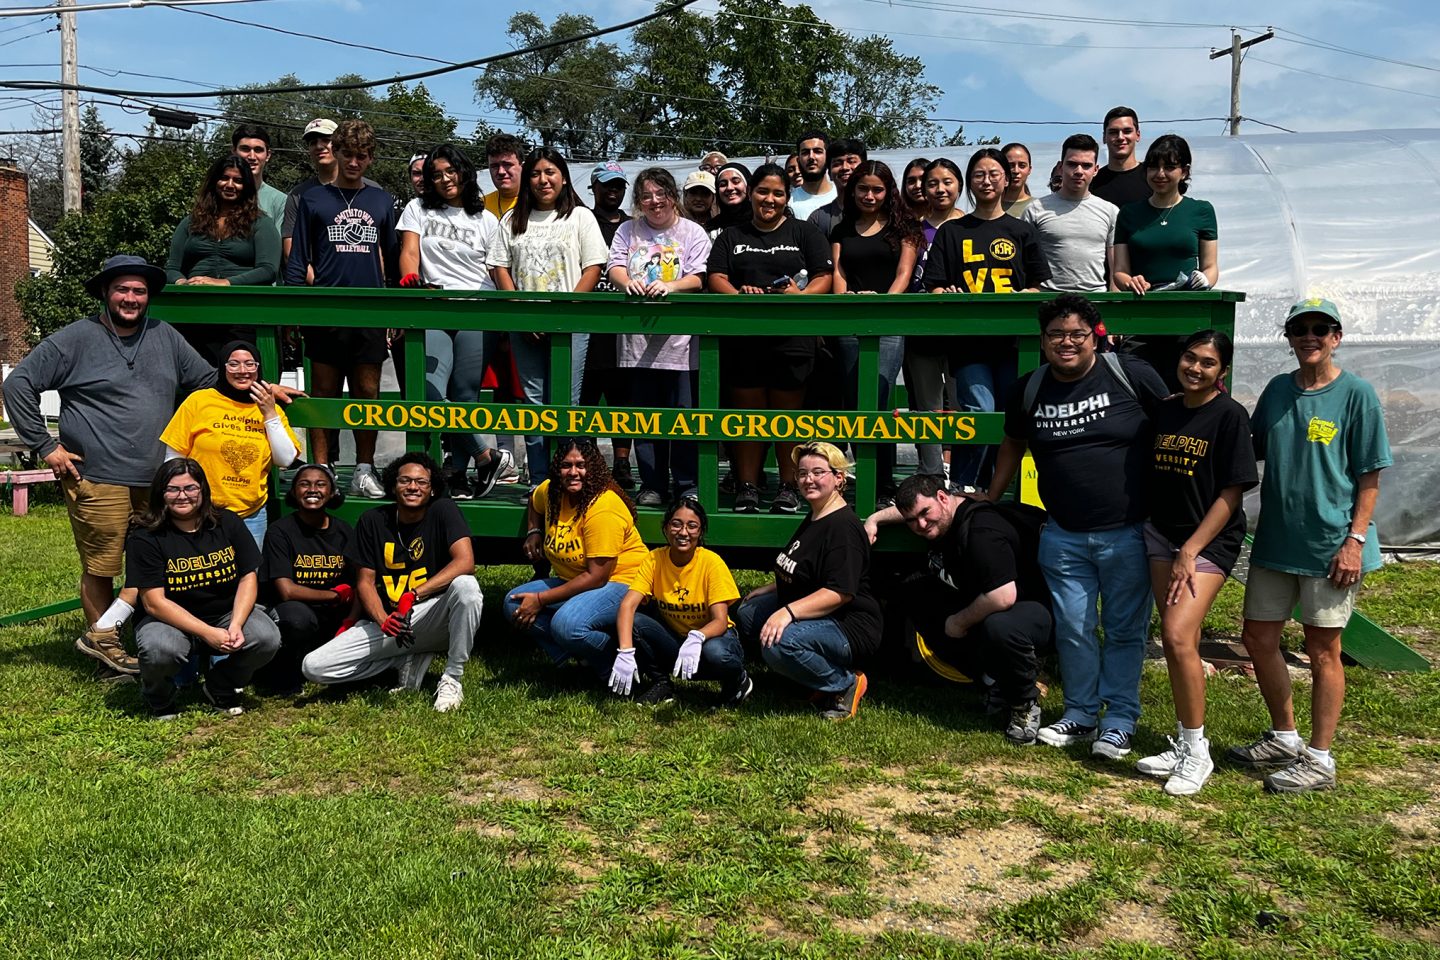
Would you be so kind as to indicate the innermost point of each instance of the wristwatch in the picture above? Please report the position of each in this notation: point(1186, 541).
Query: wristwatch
point(1357, 537)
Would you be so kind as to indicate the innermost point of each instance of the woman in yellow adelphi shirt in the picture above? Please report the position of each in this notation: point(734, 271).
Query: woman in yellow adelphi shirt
point(584, 524)
point(235, 432)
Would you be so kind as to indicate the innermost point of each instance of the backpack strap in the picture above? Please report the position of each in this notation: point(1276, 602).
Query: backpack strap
point(1112, 360)
point(1032, 388)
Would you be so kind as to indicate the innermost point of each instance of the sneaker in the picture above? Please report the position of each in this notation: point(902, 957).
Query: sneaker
point(847, 704)
point(509, 472)
point(1024, 724)
point(412, 671)
point(105, 646)
point(224, 699)
point(731, 699)
point(649, 498)
point(661, 691)
point(1162, 764)
point(448, 694)
point(165, 711)
point(1062, 733)
point(995, 703)
point(748, 499)
point(623, 474)
point(787, 499)
point(1112, 745)
point(1267, 753)
point(457, 484)
point(727, 482)
point(1307, 773)
point(488, 474)
point(1192, 770)
point(365, 484)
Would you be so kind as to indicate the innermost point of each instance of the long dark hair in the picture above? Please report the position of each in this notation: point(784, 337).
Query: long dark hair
point(899, 227)
point(597, 479)
point(565, 203)
point(766, 170)
point(472, 198)
point(982, 154)
point(158, 516)
point(1170, 150)
point(240, 219)
point(1221, 341)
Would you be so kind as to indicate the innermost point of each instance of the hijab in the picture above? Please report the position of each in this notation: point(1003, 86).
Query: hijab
point(737, 213)
point(222, 382)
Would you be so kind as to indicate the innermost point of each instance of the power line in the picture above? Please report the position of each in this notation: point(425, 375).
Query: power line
point(125, 5)
point(1060, 17)
point(30, 36)
point(311, 36)
point(1305, 41)
point(1358, 83)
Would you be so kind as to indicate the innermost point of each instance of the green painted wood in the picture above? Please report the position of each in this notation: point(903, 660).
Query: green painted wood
point(1371, 645)
point(40, 613)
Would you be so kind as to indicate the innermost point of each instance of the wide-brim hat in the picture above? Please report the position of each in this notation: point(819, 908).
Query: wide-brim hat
point(124, 264)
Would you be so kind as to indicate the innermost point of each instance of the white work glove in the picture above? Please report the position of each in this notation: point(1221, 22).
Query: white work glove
point(687, 664)
point(622, 674)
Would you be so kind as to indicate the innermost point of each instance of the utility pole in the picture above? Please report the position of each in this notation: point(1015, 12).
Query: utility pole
point(1234, 54)
point(69, 109)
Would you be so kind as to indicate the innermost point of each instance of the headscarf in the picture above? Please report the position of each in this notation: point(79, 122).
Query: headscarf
point(222, 383)
point(737, 213)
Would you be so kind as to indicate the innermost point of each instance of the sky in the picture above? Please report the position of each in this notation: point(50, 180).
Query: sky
point(1004, 71)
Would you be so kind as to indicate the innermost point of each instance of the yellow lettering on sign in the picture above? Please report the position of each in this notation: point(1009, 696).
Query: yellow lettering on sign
point(702, 422)
point(351, 414)
point(730, 424)
point(573, 420)
point(372, 415)
point(964, 427)
point(680, 427)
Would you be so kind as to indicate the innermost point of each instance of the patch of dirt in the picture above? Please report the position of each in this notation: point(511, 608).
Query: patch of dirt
point(475, 789)
point(1134, 923)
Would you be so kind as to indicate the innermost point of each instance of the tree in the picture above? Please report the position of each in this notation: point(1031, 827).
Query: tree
point(97, 155)
point(957, 139)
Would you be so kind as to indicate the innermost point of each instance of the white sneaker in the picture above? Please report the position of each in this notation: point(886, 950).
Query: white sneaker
point(412, 672)
point(1192, 771)
point(365, 484)
point(1162, 764)
point(448, 694)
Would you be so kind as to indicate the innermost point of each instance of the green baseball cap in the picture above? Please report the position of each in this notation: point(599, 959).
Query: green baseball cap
point(1326, 308)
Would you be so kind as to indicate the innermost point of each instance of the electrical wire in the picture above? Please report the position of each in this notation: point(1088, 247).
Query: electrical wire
point(311, 36)
point(1358, 83)
point(1057, 17)
point(51, 10)
point(30, 36)
point(1305, 41)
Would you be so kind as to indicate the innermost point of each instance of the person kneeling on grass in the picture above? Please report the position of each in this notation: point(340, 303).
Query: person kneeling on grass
point(818, 617)
point(687, 623)
point(194, 565)
point(307, 577)
point(984, 602)
point(584, 524)
point(413, 610)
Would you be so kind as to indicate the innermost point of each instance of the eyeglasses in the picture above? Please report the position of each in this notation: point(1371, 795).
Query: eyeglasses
point(654, 197)
point(1318, 329)
point(439, 175)
point(677, 524)
point(241, 365)
point(421, 482)
point(985, 176)
point(814, 474)
point(1074, 336)
point(187, 491)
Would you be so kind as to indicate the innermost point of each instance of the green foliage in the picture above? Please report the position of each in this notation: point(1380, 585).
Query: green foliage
point(98, 154)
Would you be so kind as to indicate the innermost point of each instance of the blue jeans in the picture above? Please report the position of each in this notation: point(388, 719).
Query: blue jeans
point(532, 363)
point(582, 627)
point(892, 356)
point(657, 646)
point(1108, 568)
point(660, 459)
point(813, 653)
point(979, 388)
point(454, 369)
point(257, 523)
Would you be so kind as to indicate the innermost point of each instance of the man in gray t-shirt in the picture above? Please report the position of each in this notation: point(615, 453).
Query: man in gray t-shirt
point(1076, 228)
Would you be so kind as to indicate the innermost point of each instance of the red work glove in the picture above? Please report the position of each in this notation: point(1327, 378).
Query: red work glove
point(344, 593)
point(410, 280)
point(345, 624)
point(397, 625)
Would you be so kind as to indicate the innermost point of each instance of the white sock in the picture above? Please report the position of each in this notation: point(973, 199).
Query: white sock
point(364, 468)
point(1322, 755)
point(1289, 737)
point(1193, 736)
point(115, 615)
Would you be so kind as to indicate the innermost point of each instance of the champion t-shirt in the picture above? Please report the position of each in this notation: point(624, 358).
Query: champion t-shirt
point(453, 244)
point(757, 258)
point(1091, 442)
point(1197, 453)
point(833, 553)
point(227, 438)
point(405, 555)
point(198, 571)
point(605, 529)
point(683, 595)
point(308, 556)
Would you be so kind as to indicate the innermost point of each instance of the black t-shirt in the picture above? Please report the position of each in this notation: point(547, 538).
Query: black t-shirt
point(199, 571)
point(307, 556)
point(1121, 188)
point(993, 556)
point(608, 231)
point(755, 258)
point(986, 256)
point(869, 262)
point(405, 555)
point(833, 552)
point(1198, 453)
point(1091, 442)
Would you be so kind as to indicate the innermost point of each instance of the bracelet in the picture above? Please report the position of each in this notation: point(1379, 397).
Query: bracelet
point(793, 618)
point(534, 532)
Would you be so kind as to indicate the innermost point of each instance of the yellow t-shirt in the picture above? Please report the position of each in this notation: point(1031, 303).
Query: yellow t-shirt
point(498, 205)
point(606, 530)
point(683, 594)
point(227, 438)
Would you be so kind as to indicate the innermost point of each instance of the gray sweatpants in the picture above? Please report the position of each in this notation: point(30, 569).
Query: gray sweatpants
point(164, 651)
point(444, 624)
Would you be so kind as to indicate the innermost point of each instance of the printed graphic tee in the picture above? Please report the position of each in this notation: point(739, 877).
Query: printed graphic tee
point(833, 553)
point(227, 438)
point(347, 236)
point(553, 251)
point(606, 529)
point(198, 571)
point(405, 555)
point(650, 255)
point(683, 595)
point(453, 244)
point(308, 556)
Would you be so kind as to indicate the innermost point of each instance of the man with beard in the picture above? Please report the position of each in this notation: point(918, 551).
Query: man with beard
point(815, 190)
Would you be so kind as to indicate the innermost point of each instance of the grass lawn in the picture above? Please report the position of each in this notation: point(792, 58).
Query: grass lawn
point(544, 821)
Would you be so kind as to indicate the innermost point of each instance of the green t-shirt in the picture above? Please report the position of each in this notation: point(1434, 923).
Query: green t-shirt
point(1316, 445)
point(1160, 252)
point(272, 201)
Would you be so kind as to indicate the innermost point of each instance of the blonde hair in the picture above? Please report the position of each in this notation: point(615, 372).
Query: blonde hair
point(828, 452)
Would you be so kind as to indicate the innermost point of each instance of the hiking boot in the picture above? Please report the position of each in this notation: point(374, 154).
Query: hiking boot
point(1024, 724)
point(649, 498)
point(448, 693)
point(224, 699)
point(731, 699)
point(412, 671)
point(1063, 732)
point(1192, 769)
point(365, 484)
point(748, 499)
point(623, 474)
point(847, 704)
point(1267, 753)
point(1111, 744)
point(105, 646)
point(1307, 773)
point(787, 499)
point(1164, 763)
point(661, 691)
point(488, 474)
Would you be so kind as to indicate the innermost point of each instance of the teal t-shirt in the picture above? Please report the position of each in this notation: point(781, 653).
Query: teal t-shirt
point(1160, 252)
point(1316, 445)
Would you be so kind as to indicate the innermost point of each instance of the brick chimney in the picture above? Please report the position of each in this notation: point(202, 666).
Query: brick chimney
point(14, 257)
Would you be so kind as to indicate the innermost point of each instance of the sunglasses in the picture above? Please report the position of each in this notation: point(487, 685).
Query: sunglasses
point(1317, 329)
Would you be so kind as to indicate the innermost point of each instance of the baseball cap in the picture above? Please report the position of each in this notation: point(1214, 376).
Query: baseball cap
point(1326, 308)
point(700, 179)
point(320, 127)
point(607, 171)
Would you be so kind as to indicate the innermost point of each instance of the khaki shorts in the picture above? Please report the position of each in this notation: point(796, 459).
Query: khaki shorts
point(100, 519)
point(1273, 595)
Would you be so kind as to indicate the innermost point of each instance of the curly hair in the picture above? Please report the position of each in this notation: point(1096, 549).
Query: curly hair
point(390, 478)
point(240, 217)
point(597, 479)
point(1064, 305)
point(899, 228)
point(355, 137)
point(158, 515)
